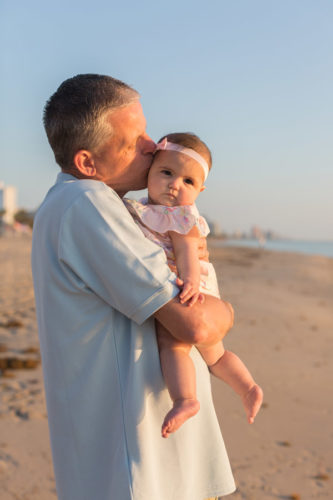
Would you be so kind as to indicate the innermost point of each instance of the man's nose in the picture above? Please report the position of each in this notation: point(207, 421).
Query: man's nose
point(149, 145)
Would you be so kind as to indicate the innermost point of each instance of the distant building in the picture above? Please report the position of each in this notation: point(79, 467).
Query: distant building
point(237, 235)
point(214, 227)
point(8, 196)
point(256, 233)
point(271, 235)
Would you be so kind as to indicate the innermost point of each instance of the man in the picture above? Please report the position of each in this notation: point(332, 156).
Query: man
point(99, 284)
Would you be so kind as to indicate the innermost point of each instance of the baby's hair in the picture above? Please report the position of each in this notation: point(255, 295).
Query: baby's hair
point(191, 141)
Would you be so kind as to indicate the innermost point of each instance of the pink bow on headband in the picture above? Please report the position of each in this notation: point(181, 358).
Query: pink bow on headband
point(162, 146)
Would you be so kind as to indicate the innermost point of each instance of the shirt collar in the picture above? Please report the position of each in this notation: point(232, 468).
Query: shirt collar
point(63, 177)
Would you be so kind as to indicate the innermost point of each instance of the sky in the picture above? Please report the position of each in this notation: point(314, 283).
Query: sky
point(252, 78)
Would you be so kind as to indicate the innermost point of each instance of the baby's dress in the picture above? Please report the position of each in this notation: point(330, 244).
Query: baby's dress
point(156, 220)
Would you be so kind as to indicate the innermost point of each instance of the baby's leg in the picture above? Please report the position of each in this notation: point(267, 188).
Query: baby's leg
point(229, 368)
point(179, 375)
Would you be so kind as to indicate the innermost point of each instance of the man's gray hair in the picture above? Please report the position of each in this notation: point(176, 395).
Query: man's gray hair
point(75, 116)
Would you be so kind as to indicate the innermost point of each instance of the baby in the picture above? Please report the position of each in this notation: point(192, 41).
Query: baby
point(170, 218)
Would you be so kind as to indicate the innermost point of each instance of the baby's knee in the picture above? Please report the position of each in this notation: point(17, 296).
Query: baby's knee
point(232, 314)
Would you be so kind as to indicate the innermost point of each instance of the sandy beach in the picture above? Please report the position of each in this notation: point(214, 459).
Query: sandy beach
point(283, 331)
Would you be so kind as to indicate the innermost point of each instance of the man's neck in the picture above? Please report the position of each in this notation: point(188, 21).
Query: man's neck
point(74, 172)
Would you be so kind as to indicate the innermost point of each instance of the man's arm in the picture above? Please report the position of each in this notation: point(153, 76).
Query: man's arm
point(202, 324)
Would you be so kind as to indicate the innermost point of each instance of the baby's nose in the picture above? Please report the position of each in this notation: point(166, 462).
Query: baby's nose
point(174, 183)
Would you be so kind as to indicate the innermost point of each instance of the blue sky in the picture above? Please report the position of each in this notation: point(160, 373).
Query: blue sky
point(253, 78)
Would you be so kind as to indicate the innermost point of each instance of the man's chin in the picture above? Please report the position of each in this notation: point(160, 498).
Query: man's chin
point(129, 190)
point(139, 186)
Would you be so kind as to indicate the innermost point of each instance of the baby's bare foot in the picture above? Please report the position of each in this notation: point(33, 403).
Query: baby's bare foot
point(252, 401)
point(182, 410)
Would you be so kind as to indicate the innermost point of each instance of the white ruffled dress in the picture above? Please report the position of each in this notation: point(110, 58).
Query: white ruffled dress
point(155, 221)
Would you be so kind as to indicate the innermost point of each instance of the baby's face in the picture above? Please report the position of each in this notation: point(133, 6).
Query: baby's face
point(174, 179)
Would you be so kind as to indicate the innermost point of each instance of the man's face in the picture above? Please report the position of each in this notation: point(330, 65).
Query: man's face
point(123, 161)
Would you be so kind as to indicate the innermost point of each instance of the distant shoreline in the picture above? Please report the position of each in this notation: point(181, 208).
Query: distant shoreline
point(322, 248)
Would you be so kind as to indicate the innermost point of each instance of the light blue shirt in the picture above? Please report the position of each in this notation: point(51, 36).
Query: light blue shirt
point(98, 281)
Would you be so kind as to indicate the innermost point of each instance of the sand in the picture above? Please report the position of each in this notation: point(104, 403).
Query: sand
point(283, 331)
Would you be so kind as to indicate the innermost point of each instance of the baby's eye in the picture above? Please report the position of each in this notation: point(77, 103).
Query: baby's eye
point(188, 181)
point(166, 172)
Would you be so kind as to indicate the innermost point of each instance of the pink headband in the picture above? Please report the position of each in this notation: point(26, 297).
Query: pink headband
point(170, 146)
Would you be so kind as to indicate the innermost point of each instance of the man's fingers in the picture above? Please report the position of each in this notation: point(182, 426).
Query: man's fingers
point(179, 282)
point(193, 299)
point(201, 298)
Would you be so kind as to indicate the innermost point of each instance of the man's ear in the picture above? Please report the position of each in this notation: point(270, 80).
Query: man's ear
point(84, 162)
point(202, 188)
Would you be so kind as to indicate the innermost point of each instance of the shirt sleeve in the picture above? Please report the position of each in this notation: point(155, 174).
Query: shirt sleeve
point(104, 250)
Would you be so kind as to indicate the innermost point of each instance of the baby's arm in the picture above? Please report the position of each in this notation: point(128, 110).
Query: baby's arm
point(185, 247)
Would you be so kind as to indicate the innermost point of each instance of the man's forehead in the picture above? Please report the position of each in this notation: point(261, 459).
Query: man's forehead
point(128, 124)
point(132, 114)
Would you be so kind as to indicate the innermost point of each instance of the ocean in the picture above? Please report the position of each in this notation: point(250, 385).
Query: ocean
point(324, 248)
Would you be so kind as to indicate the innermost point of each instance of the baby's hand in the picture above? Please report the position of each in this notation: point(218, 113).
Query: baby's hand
point(190, 293)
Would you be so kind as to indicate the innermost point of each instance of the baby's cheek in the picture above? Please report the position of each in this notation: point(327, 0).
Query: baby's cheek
point(151, 179)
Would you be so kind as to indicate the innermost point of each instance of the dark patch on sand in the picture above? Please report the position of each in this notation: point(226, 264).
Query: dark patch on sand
point(12, 323)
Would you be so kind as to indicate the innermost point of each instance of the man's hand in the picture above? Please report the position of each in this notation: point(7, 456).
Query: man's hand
point(203, 324)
